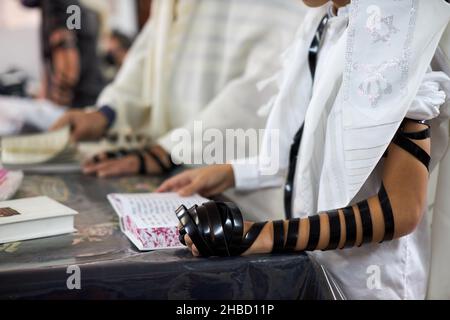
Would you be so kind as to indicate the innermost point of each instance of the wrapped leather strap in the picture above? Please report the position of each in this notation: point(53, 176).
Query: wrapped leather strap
point(388, 215)
point(366, 220)
point(217, 236)
point(118, 154)
point(292, 235)
point(159, 162)
point(278, 236)
point(252, 235)
point(182, 233)
point(142, 163)
point(235, 223)
point(350, 227)
point(413, 149)
point(314, 233)
point(420, 135)
point(335, 230)
point(191, 229)
point(216, 228)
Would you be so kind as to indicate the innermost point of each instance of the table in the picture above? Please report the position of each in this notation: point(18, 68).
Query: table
point(111, 268)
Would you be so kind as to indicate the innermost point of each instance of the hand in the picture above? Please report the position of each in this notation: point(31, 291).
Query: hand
point(104, 165)
point(263, 244)
point(84, 125)
point(207, 181)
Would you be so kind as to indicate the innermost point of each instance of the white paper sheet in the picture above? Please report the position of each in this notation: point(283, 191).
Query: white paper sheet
point(149, 220)
point(152, 209)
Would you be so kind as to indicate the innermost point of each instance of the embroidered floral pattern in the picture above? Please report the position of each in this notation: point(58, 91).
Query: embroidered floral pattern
point(381, 28)
point(375, 84)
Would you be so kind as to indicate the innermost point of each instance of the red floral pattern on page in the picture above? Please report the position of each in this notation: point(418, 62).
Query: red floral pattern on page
point(154, 238)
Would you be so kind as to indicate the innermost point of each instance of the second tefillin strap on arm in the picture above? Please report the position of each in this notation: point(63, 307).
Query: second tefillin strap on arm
point(140, 154)
point(217, 228)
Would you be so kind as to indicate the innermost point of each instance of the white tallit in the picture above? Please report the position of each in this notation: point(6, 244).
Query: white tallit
point(348, 125)
point(362, 125)
point(359, 127)
point(203, 66)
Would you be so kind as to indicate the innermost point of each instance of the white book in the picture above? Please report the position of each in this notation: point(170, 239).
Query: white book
point(149, 219)
point(33, 218)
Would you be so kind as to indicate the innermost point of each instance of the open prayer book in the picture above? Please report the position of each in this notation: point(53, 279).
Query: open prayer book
point(44, 152)
point(149, 219)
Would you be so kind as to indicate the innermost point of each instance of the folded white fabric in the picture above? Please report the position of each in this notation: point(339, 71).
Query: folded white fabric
point(430, 97)
point(10, 182)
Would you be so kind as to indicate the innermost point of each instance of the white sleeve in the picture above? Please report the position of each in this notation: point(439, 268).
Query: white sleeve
point(430, 97)
point(236, 105)
point(248, 176)
point(128, 94)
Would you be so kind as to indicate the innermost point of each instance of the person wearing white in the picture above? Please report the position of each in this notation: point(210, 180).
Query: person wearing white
point(373, 71)
point(195, 60)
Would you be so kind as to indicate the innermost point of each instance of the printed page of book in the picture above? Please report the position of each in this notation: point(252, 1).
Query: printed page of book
point(152, 209)
point(149, 220)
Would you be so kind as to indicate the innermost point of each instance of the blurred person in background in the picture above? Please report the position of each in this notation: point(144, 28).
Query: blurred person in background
point(116, 49)
point(195, 61)
point(72, 74)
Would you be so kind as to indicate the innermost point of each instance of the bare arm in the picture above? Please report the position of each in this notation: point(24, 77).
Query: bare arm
point(405, 180)
point(394, 212)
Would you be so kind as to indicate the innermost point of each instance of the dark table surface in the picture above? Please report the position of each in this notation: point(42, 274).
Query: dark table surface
point(112, 268)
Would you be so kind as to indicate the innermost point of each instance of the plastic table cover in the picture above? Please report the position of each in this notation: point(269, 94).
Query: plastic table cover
point(112, 268)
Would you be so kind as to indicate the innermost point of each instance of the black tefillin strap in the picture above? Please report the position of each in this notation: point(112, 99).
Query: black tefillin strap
point(140, 154)
point(350, 227)
point(388, 215)
point(366, 220)
point(295, 147)
point(217, 229)
point(404, 140)
point(335, 230)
